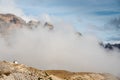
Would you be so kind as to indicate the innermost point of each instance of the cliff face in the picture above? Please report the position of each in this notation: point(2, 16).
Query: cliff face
point(10, 22)
point(10, 18)
point(12, 71)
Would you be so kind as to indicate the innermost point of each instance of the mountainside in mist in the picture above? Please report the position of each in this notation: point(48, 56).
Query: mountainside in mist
point(13, 71)
point(10, 22)
point(53, 46)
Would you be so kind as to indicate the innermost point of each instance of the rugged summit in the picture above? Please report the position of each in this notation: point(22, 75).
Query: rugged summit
point(49, 26)
point(10, 18)
point(13, 71)
point(10, 22)
point(32, 23)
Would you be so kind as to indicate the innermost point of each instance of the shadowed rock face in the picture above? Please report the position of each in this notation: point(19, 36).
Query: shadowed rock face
point(9, 22)
point(12, 19)
point(31, 24)
point(49, 26)
point(12, 71)
point(110, 46)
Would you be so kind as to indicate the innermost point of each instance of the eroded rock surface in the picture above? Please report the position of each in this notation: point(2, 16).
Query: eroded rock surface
point(12, 71)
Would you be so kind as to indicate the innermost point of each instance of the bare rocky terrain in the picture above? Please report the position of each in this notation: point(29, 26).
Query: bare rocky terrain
point(13, 71)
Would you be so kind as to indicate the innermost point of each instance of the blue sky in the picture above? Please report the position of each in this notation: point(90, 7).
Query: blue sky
point(98, 17)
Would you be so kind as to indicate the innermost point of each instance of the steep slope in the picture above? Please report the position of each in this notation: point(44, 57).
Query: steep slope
point(12, 71)
point(9, 22)
point(11, 18)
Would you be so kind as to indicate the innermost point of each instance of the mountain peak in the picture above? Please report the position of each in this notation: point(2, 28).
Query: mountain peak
point(10, 22)
point(11, 18)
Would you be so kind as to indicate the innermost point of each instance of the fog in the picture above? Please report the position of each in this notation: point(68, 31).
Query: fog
point(60, 48)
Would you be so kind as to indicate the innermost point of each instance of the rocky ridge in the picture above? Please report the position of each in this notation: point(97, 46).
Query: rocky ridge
point(10, 22)
point(13, 71)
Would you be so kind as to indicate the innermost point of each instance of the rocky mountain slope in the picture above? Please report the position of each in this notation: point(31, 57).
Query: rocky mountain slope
point(13, 71)
point(10, 22)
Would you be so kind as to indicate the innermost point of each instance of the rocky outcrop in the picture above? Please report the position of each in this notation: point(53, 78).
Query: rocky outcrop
point(12, 71)
point(49, 26)
point(33, 24)
point(110, 46)
point(10, 18)
point(10, 22)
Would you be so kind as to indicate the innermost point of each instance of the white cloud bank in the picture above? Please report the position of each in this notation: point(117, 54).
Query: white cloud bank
point(59, 49)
